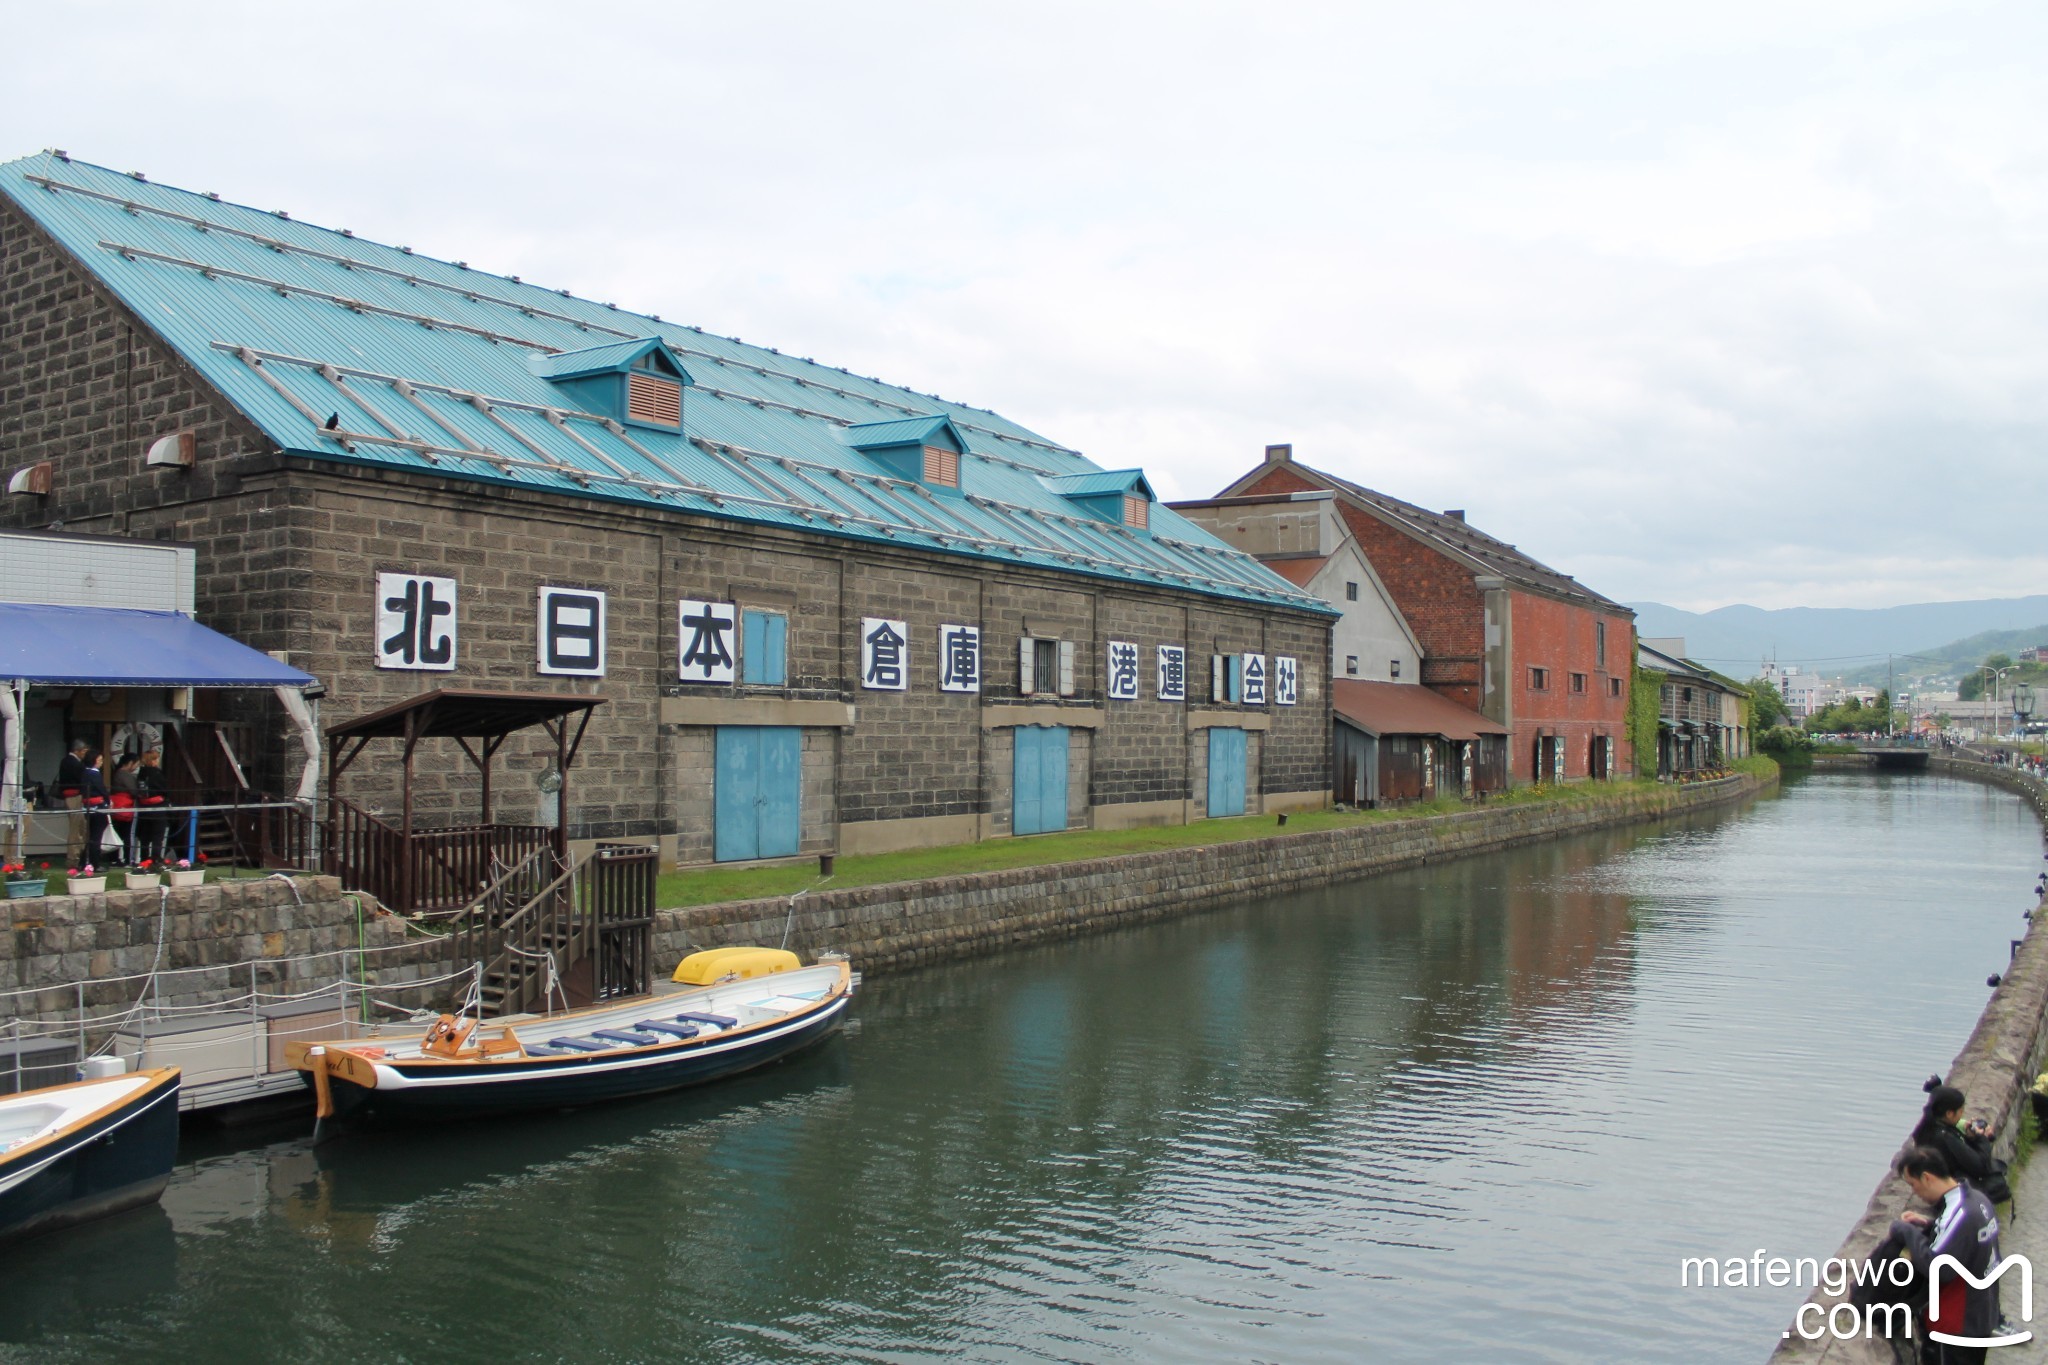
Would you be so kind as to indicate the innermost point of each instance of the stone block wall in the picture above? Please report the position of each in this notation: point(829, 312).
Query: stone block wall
point(202, 941)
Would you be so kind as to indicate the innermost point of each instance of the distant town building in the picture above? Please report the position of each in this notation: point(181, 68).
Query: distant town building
point(1393, 739)
point(1502, 634)
point(1700, 724)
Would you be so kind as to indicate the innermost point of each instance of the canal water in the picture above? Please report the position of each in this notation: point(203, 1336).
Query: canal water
point(1476, 1112)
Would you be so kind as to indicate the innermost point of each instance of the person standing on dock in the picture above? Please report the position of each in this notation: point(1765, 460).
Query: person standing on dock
point(70, 789)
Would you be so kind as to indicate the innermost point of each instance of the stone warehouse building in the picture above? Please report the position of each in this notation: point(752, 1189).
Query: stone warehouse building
point(827, 613)
point(1502, 634)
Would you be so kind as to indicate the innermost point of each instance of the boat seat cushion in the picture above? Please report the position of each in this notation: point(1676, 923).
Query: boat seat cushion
point(578, 1044)
point(715, 1020)
point(663, 1026)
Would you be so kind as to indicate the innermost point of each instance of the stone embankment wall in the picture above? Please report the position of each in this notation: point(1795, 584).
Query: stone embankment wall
point(1995, 1069)
point(298, 933)
point(909, 924)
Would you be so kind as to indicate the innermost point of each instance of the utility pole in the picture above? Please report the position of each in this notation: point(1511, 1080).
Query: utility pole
point(1890, 702)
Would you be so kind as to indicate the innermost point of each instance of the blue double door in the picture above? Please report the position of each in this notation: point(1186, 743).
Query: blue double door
point(757, 775)
point(1226, 772)
point(1039, 788)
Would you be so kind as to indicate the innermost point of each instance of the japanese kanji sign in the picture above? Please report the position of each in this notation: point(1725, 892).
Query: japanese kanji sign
point(1286, 680)
point(1173, 673)
point(570, 632)
point(415, 622)
point(960, 658)
point(1123, 671)
point(705, 636)
point(1254, 680)
point(884, 654)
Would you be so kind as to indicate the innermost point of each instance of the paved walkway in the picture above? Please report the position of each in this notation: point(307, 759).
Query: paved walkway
point(2027, 1235)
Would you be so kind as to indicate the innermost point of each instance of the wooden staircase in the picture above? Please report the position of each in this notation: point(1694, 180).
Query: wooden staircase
point(582, 936)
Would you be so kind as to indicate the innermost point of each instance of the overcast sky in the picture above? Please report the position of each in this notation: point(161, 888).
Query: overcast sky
point(1703, 304)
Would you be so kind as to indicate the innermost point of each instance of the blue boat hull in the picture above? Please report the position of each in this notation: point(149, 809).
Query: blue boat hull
point(120, 1160)
point(428, 1091)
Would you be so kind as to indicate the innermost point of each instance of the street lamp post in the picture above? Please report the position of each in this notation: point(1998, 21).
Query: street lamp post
point(2022, 707)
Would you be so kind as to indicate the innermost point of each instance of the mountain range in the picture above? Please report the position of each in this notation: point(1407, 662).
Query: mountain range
point(1736, 640)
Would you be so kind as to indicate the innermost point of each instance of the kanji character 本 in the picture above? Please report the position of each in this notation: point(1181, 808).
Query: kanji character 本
point(959, 658)
point(881, 646)
point(706, 631)
point(1286, 680)
point(411, 629)
point(1173, 673)
point(1123, 670)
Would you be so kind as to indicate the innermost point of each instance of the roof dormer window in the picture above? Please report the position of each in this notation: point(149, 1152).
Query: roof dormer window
point(924, 450)
point(637, 380)
point(1119, 496)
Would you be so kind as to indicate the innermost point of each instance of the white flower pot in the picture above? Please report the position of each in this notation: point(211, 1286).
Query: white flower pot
point(192, 877)
point(85, 886)
point(144, 881)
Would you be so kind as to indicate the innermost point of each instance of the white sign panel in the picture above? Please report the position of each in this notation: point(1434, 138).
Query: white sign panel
point(707, 636)
point(1286, 680)
point(570, 632)
point(415, 622)
point(1254, 675)
point(1123, 671)
point(1173, 673)
point(884, 654)
point(960, 658)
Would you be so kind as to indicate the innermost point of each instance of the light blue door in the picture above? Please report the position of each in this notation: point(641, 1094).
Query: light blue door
point(1226, 772)
point(756, 776)
point(1039, 781)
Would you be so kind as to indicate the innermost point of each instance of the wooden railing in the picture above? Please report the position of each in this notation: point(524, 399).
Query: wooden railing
point(436, 869)
point(599, 912)
point(619, 896)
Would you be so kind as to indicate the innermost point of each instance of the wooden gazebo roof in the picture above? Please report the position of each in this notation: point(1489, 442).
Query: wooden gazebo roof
point(458, 714)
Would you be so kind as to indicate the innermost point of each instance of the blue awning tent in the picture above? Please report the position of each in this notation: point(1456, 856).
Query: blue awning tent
point(119, 647)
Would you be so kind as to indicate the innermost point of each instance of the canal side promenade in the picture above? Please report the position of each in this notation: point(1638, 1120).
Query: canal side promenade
point(1995, 1069)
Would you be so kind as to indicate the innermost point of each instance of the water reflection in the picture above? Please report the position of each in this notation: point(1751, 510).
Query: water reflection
point(1476, 1111)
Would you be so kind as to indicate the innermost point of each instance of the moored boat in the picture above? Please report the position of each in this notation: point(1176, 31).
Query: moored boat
point(464, 1067)
point(85, 1150)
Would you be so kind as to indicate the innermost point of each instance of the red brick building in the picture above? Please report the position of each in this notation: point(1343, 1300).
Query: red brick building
point(1501, 633)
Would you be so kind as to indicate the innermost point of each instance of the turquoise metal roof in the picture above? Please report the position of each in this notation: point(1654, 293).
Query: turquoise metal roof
point(602, 359)
point(1098, 484)
point(902, 431)
point(428, 365)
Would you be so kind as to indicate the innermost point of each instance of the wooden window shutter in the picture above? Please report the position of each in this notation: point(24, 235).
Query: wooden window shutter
point(1066, 668)
point(1216, 678)
point(654, 400)
point(941, 467)
point(1137, 512)
point(1027, 680)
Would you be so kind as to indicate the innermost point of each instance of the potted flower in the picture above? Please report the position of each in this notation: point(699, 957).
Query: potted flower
point(22, 883)
point(143, 876)
point(183, 873)
point(84, 881)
